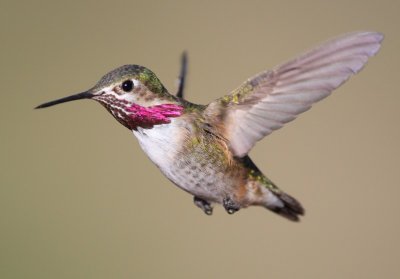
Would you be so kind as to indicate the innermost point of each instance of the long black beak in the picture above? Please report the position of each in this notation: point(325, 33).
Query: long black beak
point(83, 95)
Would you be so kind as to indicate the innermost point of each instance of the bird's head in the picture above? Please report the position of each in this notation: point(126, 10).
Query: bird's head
point(133, 95)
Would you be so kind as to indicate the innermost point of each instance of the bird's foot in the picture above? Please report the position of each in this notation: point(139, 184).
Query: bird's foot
point(203, 205)
point(230, 205)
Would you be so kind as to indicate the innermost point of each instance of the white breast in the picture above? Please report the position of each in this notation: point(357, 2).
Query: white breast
point(161, 143)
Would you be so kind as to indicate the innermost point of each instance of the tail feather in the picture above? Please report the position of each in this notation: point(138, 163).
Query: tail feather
point(272, 197)
point(287, 206)
point(283, 204)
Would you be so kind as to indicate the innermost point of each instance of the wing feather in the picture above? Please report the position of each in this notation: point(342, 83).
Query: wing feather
point(267, 101)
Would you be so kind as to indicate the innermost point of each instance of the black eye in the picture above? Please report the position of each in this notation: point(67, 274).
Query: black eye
point(127, 85)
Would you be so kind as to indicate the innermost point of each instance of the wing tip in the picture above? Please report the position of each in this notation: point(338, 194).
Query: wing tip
point(377, 36)
point(372, 38)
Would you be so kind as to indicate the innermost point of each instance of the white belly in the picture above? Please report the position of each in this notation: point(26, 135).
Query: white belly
point(163, 145)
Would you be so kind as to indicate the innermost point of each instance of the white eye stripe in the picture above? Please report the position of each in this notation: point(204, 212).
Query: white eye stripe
point(135, 82)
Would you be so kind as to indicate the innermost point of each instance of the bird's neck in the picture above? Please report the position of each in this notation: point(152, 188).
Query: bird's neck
point(134, 115)
point(147, 117)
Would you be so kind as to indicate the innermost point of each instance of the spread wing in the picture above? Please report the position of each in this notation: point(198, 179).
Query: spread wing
point(267, 101)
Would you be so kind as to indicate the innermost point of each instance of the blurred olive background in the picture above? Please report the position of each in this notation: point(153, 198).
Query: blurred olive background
point(79, 199)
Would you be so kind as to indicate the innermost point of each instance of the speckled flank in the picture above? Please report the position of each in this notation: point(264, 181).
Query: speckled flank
point(203, 168)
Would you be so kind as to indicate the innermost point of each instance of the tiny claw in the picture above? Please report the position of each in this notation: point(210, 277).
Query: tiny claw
point(208, 212)
point(230, 206)
point(203, 205)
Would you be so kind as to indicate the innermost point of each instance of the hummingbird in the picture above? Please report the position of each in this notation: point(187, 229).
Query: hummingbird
point(203, 149)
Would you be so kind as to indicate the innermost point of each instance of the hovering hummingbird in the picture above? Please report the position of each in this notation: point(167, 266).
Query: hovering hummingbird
point(203, 149)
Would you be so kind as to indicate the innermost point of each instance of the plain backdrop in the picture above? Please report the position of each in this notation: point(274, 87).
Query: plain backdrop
point(79, 199)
